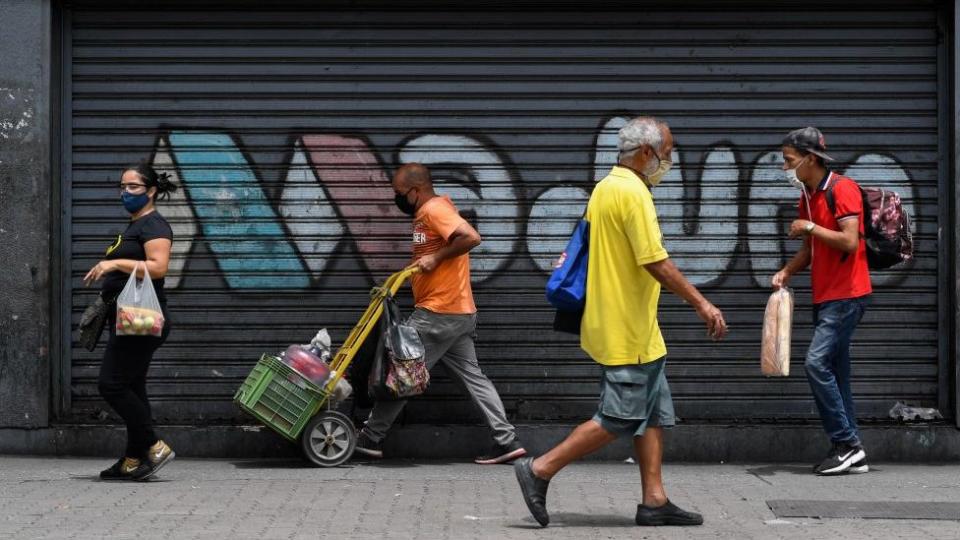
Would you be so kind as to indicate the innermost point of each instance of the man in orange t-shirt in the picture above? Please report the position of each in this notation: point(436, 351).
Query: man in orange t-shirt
point(445, 314)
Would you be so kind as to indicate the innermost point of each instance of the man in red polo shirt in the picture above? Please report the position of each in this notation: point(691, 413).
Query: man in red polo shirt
point(834, 248)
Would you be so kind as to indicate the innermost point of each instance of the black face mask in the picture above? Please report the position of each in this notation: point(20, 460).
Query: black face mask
point(405, 206)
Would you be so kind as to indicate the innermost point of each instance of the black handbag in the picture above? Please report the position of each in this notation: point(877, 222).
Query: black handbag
point(94, 319)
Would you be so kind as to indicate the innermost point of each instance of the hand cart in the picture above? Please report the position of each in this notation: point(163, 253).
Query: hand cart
point(298, 409)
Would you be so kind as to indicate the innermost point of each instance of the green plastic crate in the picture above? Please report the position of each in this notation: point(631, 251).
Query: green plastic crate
point(279, 397)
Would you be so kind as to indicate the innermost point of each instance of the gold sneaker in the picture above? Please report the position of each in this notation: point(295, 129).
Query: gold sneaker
point(123, 469)
point(157, 456)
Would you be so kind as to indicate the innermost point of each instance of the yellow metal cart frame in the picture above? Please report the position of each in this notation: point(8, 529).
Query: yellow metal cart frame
point(346, 353)
point(294, 407)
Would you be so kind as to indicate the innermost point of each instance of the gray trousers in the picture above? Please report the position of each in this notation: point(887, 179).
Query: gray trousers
point(449, 339)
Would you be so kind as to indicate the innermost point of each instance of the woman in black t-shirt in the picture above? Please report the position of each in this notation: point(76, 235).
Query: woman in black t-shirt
point(147, 239)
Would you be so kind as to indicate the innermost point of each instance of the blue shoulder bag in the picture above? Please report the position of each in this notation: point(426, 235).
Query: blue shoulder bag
point(567, 286)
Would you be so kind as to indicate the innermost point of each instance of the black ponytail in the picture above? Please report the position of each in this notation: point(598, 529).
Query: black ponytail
point(165, 186)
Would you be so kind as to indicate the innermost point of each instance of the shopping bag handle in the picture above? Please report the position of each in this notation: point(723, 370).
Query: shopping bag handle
point(138, 285)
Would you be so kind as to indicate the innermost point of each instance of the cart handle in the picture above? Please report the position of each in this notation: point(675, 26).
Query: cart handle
point(343, 357)
point(394, 282)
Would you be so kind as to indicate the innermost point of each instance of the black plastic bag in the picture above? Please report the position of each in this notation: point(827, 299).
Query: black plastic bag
point(93, 321)
point(358, 375)
point(399, 368)
point(568, 321)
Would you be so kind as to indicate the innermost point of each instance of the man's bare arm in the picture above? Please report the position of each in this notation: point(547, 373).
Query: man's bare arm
point(670, 277)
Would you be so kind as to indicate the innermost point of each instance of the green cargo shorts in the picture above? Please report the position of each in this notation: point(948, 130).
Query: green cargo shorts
point(634, 397)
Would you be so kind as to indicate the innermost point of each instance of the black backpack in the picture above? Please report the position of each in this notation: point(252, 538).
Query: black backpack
point(887, 232)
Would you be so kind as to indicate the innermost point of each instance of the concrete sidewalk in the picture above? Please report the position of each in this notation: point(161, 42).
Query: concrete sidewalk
point(219, 499)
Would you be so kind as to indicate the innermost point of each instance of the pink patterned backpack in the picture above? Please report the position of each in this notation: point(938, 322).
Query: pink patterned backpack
point(887, 232)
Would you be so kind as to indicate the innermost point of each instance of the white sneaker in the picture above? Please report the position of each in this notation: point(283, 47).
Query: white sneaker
point(859, 467)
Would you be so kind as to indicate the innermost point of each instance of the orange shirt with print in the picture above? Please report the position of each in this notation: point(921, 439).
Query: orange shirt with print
point(447, 288)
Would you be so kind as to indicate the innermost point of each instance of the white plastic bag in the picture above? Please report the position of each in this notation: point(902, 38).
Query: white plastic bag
point(775, 345)
point(138, 309)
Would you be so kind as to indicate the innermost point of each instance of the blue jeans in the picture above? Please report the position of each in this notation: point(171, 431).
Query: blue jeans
point(828, 366)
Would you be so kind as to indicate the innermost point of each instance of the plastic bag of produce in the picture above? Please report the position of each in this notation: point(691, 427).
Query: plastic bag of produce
point(138, 309)
point(775, 346)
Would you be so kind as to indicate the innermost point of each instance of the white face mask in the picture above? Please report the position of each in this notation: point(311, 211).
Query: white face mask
point(656, 175)
point(791, 176)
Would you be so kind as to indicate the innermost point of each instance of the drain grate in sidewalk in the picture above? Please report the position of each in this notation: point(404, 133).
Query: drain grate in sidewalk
point(865, 509)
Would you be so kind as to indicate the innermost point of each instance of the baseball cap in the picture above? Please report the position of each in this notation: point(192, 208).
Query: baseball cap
point(808, 139)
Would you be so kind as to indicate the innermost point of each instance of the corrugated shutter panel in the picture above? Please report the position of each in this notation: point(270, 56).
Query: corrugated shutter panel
point(283, 126)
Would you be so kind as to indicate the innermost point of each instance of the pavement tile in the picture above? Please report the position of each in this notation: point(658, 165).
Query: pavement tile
point(61, 498)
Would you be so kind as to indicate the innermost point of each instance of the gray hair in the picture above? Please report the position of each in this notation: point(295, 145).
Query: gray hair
point(642, 130)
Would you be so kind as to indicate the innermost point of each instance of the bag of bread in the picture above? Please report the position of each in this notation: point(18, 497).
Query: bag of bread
point(775, 346)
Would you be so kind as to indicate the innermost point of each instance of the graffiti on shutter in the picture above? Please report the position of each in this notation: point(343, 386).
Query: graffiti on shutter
point(337, 189)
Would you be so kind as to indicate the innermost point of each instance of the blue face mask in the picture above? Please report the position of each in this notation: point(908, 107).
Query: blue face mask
point(134, 203)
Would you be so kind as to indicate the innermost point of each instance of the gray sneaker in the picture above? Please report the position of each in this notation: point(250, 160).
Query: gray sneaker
point(367, 447)
point(501, 453)
point(534, 490)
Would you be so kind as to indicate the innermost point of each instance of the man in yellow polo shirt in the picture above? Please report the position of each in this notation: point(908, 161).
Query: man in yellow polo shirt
point(626, 266)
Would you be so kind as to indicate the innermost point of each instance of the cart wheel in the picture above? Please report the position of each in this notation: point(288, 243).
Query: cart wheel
point(328, 439)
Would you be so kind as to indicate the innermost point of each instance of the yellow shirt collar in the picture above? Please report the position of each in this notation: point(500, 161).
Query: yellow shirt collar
point(626, 173)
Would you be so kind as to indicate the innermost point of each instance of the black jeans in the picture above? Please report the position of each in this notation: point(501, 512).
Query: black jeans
point(123, 383)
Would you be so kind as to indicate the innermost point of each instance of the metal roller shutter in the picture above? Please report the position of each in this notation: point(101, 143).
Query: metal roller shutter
point(283, 127)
